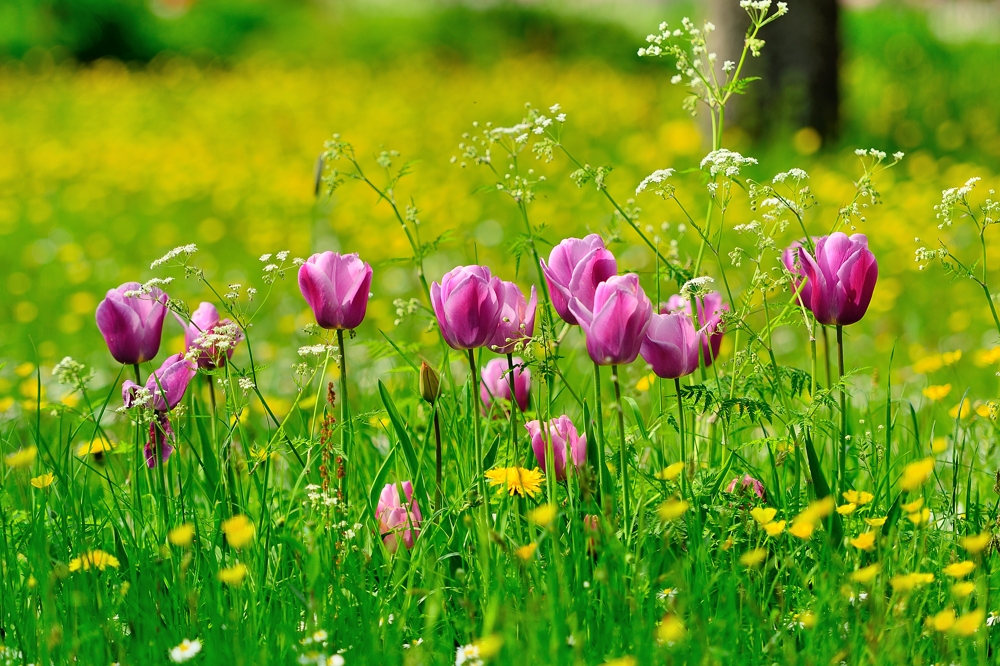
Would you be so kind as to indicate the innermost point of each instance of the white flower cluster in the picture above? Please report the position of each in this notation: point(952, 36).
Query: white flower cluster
point(926, 255)
point(72, 372)
point(147, 287)
point(317, 497)
point(697, 286)
point(656, 178)
point(221, 337)
point(181, 253)
point(726, 162)
point(316, 350)
point(795, 174)
point(316, 651)
point(954, 198)
point(247, 385)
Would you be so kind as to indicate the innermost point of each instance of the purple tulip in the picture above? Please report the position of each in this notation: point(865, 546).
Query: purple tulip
point(565, 442)
point(710, 309)
point(395, 520)
point(336, 287)
point(517, 318)
point(161, 438)
point(842, 276)
point(132, 325)
point(617, 325)
point(205, 322)
point(468, 304)
point(496, 383)
point(166, 386)
point(576, 266)
point(671, 345)
point(746, 484)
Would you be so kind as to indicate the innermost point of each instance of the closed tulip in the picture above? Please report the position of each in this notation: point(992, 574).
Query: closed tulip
point(468, 303)
point(396, 521)
point(132, 325)
point(166, 385)
point(496, 383)
point(567, 444)
point(790, 258)
point(671, 345)
point(517, 318)
point(616, 326)
point(215, 338)
point(576, 266)
point(710, 309)
point(336, 287)
point(841, 276)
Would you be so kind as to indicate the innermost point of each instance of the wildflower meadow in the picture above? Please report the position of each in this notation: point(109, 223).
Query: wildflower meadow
point(699, 412)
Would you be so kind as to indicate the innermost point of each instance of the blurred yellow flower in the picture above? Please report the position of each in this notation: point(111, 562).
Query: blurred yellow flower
point(968, 624)
point(963, 589)
point(907, 582)
point(621, 661)
point(519, 481)
point(867, 574)
point(233, 575)
point(774, 529)
point(915, 474)
point(543, 515)
point(817, 510)
point(96, 447)
point(645, 383)
point(959, 569)
point(95, 559)
point(527, 551)
point(875, 522)
point(753, 558)
point(985, 357)
point(952, 357)
point(846, 509)
point(670, 630)
point(939, 445)
point(943, 621)
point(928, 364)
point(864, 541)
point(937, 392)
point(239, 531)
point(802, 530)
point(672, 509)
point(915, 505)
point(43, 480)
point(489, 646)
point(670, 472)
point(920, 517)
point(966, 410)
point(763, 515)
point(987, 410)
point(182, 535)
point(21, 457)
point(976, 543)
point(859, 498)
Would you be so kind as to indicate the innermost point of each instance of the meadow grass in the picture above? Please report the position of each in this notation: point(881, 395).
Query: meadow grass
point(259, 537)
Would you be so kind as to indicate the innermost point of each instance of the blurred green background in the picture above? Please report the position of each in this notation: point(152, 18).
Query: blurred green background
point(128, 127)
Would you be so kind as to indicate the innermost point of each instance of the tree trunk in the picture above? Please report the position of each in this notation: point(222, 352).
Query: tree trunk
point(799, 67)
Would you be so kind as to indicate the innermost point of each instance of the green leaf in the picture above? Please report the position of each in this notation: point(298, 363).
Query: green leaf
point(822, 489)
point(637, 415)
point(376, 490)
point(412, 463)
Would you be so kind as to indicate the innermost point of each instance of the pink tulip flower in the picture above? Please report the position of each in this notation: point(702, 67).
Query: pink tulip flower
point(468, 304)
point(576, 266)
point(616, 326)
point(566, 444)
point(496, 383)
point(205, 324)
point(396, 521)
point(710, 309)
point(671, 345)
point(841, 278)
point(132, 325)
point(517, 318)
point(336, 287)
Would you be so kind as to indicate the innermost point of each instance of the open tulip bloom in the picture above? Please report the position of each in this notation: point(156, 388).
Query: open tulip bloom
point(398, 522)
point(215, 338)
point(517, 318)
point(164, 390)
point(576, 266)
point(132, 325)
point(840, 278)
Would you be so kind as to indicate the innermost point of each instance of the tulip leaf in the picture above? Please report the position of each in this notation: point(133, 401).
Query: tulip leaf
point(491, 455)
point(637, 415)
point(379, 482)
point(400, 352)
point(721, 478)
point(893, 515)
point(822, 489)
point(409, 454)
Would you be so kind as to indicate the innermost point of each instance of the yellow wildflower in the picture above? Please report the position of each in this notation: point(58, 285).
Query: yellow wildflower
point(867, 574)
point(95, 559)
point(763, 515)
point(864, 541)
point(920, 517)
point(928, 364)
point(94, 448)
point(753, 558)
point(963, 589)
point(519, 481)
point(952, 357)
point(527, 552)
point(875, 522)
point(943, 621)
point(986, 410)
point(968, 624)
point(670, 472)
point(915, 505)
point(915, 474)
point(21, 457)
point(802, 530)
point(959, 569)
point(43, 480)
point(774, 529)
point(937, 392)
point(672, 509)
point(985, 357)
point(907, 582)
point(670, 630)
point(489, 646)
point(966, 410)
point(646, 382)
point(239, 531)
point(817, 510)
point(233, 575)
point(727, 544)
point(859, 498)
point(543, 515)
point(939, 445)
point(182, 535)
point(847, 509)
point(976, 543)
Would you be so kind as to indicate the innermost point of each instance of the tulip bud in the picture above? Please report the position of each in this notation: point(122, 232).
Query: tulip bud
point(430, 384)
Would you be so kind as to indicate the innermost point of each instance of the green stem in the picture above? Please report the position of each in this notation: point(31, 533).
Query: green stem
point(474, 415)
point(624, 449)
point(600, 433)
point(346, 428)
point(437, 458)
point(843, 411)
point(138, 379)
point(514, 405)
point(680, 427)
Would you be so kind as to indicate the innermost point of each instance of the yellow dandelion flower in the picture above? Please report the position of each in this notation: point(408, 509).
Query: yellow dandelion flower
point(952, 357)
point(937, 392)
point(859, 498)
point(943, 621)
point(802, 530)
point(915, 474)
point(97, 447)
point(817, 510)
point(976, 543)
point(774, 529)
point(907, 582)
point(753, 558)
point(518, 480)
point(959, 569)
point(670, 630)
point(527, 552)
point(43, 480)
point(985, 410)
point(847, 509)
point(233, 575)
point(920, 517)
point(986, 357)
point(963, 589)
point(645, 383)
point(182, 535)
point(928, 364)
point(543, 515)
point(239, 531)
point(763, 515)
point(875, 522)
point(864, 541)
point(21, 457)
point(95, 559)
point(915, 505)
point(966, 410)
point(867, 574)
point(672, 509)
point(968, 624)
point(939, 445)
point(670, 472)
